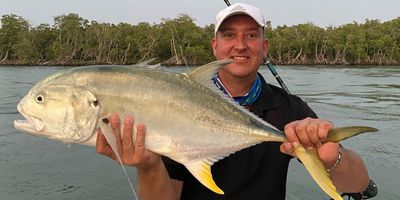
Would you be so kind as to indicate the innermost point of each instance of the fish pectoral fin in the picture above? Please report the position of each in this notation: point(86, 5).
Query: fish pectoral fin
point(317, 170)
point(110, 137)
point(201, 170)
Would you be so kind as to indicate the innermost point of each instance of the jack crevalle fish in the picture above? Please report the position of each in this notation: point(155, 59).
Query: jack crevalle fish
point(184, 114)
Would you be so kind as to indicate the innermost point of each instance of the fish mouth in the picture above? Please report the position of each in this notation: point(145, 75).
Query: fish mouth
point(25, 126)
point(30, 124)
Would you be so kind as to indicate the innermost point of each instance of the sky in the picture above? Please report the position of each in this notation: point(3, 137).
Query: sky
point(322, 13)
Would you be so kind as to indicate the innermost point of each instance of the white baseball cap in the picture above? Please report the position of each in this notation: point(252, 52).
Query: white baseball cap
point(239, 8)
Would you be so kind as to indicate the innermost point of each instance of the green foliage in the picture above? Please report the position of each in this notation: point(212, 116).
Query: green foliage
point(70, 30)
point(43, 38)
point(74, 40)
point(14, 38)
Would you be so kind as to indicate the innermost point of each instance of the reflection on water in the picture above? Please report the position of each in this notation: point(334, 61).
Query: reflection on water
point(37, 168)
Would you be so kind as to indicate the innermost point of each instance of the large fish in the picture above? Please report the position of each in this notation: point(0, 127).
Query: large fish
point(188, 119)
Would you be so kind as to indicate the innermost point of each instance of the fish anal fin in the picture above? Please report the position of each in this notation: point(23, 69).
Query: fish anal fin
point(314, 166)
point(201, 170)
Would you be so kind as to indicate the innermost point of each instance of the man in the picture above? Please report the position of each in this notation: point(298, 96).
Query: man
point(257, 172)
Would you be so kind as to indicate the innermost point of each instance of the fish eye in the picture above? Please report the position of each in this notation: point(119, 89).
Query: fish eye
point(95, 103)
point(39, 98)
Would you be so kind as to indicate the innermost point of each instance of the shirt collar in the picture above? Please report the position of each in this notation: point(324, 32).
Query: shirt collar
point(269, 99)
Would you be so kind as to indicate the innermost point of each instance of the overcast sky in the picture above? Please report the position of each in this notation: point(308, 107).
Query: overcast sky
point(323, 13)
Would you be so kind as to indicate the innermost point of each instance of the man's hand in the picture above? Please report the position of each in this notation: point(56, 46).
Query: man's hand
point(154, 181)
point(133, 153)
point(311, 133)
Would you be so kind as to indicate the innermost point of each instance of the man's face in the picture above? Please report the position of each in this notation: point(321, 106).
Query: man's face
point(240, 38)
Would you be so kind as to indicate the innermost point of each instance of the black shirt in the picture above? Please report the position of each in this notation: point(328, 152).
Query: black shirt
point(257, 172)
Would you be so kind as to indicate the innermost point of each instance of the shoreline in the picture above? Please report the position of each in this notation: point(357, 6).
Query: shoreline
point(194, 65)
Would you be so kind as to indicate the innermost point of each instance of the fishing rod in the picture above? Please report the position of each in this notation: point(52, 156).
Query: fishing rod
point(372, 189)
point(276, 75)
point(269, 65)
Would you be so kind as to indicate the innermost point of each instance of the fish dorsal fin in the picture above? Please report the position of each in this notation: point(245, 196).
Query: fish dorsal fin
point(201, 170)
point(203, 74)
point(145, 63)
point(110, 137)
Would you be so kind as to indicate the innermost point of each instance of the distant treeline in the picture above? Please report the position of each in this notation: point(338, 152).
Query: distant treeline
point(73, 40)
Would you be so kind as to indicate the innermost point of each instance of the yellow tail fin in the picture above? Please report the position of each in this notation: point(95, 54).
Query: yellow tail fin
point(342, 133)
point(314, 165)
point(317, 170)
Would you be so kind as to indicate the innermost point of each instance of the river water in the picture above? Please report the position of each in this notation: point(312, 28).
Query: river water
point(35, 168)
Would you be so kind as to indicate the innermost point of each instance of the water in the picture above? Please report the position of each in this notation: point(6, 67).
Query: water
point(353, 96)
point(37, 168)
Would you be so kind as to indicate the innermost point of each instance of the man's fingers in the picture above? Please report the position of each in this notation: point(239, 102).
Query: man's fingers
point(102, 146)
point(116, 127)
point(291, 134)
point(127, 143)
point(301, 132)
point(312, 131)
point(100, 142)
point(323, 129)
point(132, 149)
point(140, 142)
point(133, 152)
point(287, 148)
